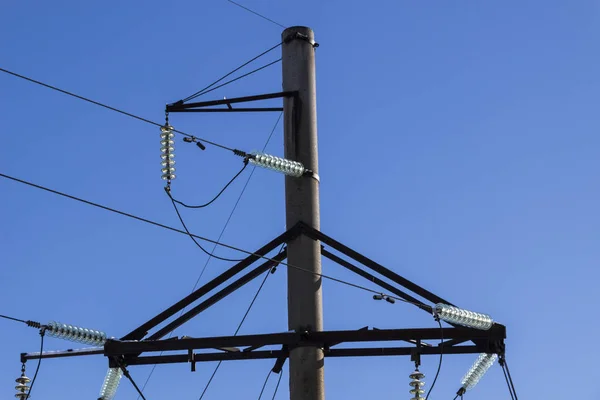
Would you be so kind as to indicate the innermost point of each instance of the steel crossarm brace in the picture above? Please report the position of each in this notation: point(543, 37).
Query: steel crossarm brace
point(375, 280)
point(218, 296)
point(380, 269)
point(115, 348)
point(182, 107)
point(141, 331)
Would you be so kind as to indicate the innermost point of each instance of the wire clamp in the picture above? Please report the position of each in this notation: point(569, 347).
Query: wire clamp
point(313, 175)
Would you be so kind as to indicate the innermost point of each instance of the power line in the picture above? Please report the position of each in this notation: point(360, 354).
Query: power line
point(265, 385)
point(221, 234)
point(215, 198)
point(192, 236)
point(277, 387)
point(512, 385)
point(239, 327)
point(202, 91)
point(364, 288)
point(255, 13)
point(128, 375)
point(37, 369)
point(13, 319)
point(441, 355)
point(240, 77)
point(512, 396)
point(111, 108)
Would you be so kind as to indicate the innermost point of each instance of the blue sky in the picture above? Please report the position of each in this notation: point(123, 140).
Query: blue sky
point(458, 147)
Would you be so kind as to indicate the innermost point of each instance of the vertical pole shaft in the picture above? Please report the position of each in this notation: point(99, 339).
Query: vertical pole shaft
point(305, 305)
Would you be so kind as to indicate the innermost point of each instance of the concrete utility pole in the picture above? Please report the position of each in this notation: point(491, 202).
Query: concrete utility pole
point(305, 304)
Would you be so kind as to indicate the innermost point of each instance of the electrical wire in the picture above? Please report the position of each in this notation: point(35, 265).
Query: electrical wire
point(512, 385)
point(13, 319)
point(255, 13)
point(441, 357)
point(512, 396)
point(112, 108)
point(215, 198)
point(240, 77)
point(265, 385)
point(128, 375)
point(277, 387)
point(202, 91)
point(37, 369)
point(239, 327)
point(167, 227)
point(194, 239)
point(220, 234)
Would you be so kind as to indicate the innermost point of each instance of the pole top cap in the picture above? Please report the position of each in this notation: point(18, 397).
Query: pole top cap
point(299, 32)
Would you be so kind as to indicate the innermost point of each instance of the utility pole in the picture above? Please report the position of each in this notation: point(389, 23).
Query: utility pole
point(305, 304)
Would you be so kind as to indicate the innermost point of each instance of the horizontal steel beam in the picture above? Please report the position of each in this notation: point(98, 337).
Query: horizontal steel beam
point(178, 107)
point(217, 110)
point(63, 353)
point(272, 354)
point(323, 339)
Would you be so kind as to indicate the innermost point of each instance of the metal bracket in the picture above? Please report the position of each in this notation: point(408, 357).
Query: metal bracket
point(301, 36)
point(207, 106)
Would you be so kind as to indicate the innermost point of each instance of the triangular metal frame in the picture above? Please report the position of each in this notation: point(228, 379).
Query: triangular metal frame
point(131, 346)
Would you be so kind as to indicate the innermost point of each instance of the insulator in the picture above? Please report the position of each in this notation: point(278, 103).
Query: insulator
point(111, 383)
point(479, 368)
point(76, 334)
point(416, 383)
point(462, 317)
point(167, 152)
point(22, 387)
point(288, 167)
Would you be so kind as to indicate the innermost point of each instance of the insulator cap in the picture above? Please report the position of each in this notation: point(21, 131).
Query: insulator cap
point(417, 375)
point(462, 317)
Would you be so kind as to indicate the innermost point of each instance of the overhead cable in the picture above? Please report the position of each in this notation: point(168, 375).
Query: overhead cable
point(215, 198)
point(364, 288)
point(113, 108)
point(255, 13)
point(440, 363)
point(37, 369)
point(240, 77)
point(202, 91)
